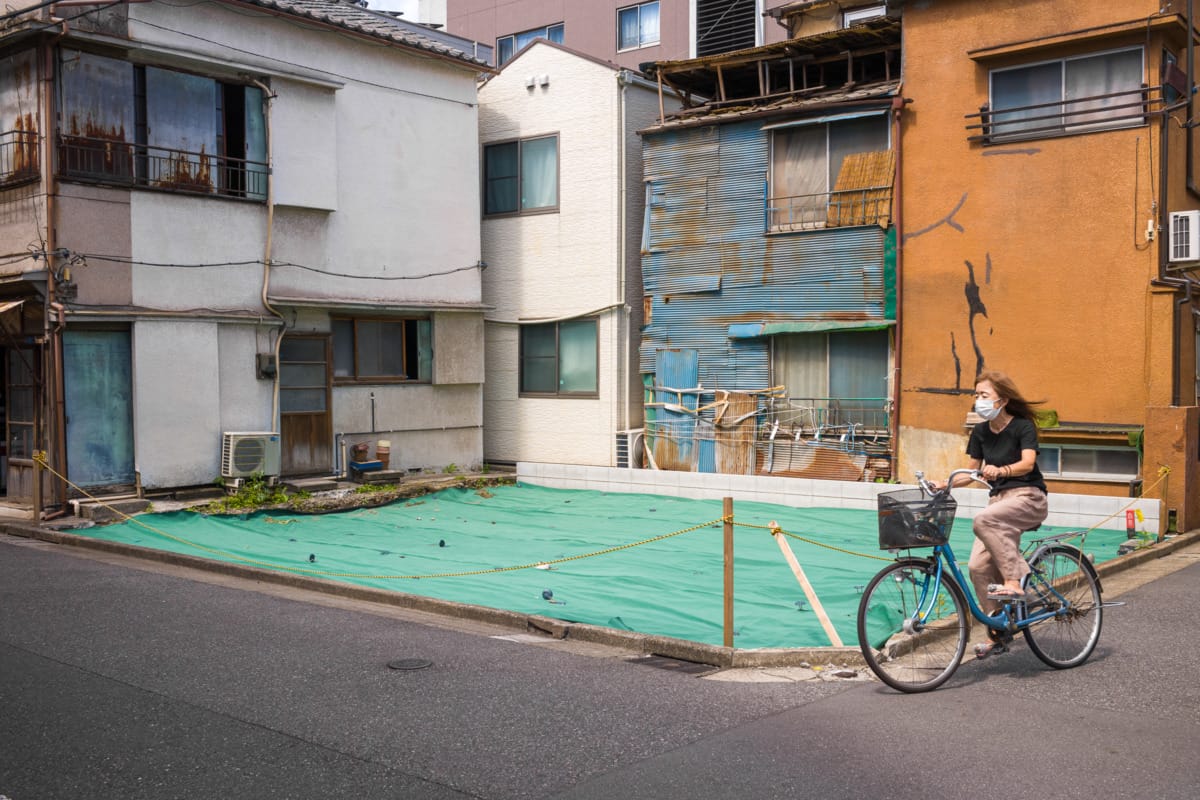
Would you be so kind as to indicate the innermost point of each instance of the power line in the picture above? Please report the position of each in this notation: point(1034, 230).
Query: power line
point(248, 262)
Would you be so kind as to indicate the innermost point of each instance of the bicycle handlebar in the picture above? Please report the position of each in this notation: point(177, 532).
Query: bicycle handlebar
point(975, 475)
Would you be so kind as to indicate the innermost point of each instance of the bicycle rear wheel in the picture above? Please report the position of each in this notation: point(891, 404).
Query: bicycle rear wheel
point(1065, 584)
point(912, 628)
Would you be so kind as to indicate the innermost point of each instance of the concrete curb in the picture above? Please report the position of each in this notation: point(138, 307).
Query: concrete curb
point(670, 647)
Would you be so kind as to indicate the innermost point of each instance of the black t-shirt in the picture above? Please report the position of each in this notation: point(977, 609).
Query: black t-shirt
point(1004, 448)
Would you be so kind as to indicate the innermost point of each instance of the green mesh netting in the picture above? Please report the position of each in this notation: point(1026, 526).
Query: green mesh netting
point(672, 587)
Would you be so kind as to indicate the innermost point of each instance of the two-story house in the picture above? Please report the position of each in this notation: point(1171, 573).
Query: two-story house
point(562, 223)
point(1050, 230)
point(238, 216)
point(769, 257)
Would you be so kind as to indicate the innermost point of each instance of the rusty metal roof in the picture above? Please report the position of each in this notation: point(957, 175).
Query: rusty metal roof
point(789, 105)
point(835, 67)
point(361, 20)
point(878, 32)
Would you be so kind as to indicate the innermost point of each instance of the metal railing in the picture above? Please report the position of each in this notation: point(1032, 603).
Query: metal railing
point(838, 209)
point(1077, 115)
point(130, 164)
point(843, 419)
point(19, 162)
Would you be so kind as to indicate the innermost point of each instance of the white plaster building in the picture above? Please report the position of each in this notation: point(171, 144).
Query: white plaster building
point(236, 216)
point(562, 224)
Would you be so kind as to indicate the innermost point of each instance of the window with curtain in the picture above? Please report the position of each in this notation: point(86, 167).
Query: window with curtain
point(841, 374)
point(637, 26)
point(1070, 95)
point(806, 161)
point(559, 358)
point(521, 176)
point(382, 350)
point(509, 46)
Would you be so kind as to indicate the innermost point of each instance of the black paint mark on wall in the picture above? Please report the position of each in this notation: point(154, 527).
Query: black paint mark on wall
point(975, 307)
point(946, 220)
point(957, 362)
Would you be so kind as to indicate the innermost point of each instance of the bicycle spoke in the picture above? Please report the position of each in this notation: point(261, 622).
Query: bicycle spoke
point(1066, 587)
point(912, 628)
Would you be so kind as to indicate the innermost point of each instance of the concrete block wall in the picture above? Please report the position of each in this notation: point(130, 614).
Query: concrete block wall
point(1066, 510)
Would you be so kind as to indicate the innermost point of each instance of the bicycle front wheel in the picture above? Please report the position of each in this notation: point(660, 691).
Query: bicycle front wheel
point(1065, 584)
point(912, 627)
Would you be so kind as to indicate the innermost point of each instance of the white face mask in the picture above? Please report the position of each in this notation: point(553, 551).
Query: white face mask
point(987, 408)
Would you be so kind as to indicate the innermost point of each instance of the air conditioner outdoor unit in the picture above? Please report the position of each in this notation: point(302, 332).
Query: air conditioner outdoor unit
point(1185, 236)
point(249, 453)
point(629, 449)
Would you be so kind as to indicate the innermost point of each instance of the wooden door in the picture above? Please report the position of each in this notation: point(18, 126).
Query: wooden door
point(306, 420)
point(21, 370)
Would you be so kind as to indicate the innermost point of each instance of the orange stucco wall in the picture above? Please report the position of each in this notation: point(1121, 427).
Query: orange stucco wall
point(1050, 233)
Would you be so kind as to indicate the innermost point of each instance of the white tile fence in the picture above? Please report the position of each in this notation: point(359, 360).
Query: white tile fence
point(1066, 510)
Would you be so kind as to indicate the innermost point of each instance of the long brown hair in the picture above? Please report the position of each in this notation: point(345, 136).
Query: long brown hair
point(1017, 405)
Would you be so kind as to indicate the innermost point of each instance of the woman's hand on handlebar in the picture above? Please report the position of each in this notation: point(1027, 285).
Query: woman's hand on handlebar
point(990, 473)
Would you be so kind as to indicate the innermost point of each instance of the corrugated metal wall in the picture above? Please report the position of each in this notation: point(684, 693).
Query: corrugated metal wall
point(707, 264)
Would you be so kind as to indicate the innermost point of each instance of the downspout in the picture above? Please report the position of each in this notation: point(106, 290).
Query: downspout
point(898, 103)
point(624, 333)
point(268, 96)
point(1191, 103)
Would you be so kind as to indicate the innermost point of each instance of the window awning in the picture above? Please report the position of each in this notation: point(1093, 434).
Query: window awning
point(793, 123)
point(751, 330)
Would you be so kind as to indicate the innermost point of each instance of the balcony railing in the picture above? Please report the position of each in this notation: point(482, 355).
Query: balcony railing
point(19, 161)
point(829, 419)
point(129, 164)
point(1077, 115)
point(838, 209)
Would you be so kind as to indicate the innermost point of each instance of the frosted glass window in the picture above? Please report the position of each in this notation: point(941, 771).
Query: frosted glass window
point(559, 358)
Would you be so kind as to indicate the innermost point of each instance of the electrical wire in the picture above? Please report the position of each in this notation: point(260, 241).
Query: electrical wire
point(250, 262)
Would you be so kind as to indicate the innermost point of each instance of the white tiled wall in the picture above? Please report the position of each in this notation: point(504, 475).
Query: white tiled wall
point(1066, 510)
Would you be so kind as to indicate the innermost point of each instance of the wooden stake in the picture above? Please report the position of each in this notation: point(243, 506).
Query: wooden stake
point(806, 586)
point(727, 512)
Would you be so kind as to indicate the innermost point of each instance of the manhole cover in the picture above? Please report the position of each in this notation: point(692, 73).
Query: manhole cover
point(410, 663)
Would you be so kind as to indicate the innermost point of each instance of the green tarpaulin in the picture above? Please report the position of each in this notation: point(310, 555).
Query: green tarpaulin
point(670, 587)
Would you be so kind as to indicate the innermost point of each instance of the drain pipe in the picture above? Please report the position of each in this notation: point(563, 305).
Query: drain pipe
point(268, 96)
point(623, 322)
point(898, 103)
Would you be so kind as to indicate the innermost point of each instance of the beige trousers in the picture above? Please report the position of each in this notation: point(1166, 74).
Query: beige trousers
point(996, 556)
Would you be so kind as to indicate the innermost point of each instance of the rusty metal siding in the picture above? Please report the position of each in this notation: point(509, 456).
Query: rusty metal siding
point(708, 264)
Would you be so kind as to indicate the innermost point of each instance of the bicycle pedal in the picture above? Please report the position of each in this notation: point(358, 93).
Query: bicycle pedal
point(983, 651)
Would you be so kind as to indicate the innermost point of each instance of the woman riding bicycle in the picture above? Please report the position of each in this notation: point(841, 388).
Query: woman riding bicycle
point(1004, 448)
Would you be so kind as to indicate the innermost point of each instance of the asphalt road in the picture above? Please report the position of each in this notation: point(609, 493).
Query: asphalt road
point(125, 680)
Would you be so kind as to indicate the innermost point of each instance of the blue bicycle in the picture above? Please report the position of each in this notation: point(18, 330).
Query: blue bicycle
point(913, 621)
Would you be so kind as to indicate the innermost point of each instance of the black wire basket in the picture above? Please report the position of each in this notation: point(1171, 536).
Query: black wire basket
point(911, 518)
